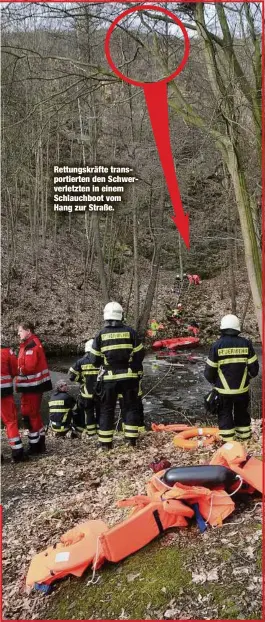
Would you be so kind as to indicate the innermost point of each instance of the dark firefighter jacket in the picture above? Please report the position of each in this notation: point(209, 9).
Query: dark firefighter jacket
point(60, 409)
point(231, 363)
point(86, 374)
point(119, 351)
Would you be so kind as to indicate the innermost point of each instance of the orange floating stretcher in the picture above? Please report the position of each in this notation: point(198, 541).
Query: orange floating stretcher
point(148, 520)
point(72, 555)
point(233, 454)
point(214, 505)
point(92, 542)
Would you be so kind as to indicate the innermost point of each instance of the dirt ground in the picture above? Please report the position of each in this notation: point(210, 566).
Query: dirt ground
point(182, 575)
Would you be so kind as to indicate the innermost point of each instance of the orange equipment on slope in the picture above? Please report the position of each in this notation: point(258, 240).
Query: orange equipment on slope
point(154, 327)
point(174, 427)
point(234, 455)
point(183, 441)
point(72, 555)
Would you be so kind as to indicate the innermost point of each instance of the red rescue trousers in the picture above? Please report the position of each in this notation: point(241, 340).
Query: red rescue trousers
point(30, 410)
point(10, 420)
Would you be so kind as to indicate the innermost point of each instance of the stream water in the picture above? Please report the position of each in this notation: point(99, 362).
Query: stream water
point(173, 392)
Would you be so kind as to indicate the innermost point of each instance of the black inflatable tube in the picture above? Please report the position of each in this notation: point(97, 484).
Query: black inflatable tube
point(206, 475)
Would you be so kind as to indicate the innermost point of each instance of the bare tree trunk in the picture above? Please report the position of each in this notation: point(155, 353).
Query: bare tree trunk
point(136, 258)
point(230, 245)
point(252, 253)
point(101, 267)
point(145, 314)
point(243, 317)
point(180, 260)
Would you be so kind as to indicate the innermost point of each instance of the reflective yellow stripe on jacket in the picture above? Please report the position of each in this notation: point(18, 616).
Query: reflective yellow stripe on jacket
point(226, 389)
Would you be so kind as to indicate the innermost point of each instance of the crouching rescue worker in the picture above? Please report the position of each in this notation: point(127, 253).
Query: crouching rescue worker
point(9, 417)
point(61, 405)
point(32, 381)
point(87, 412)
point(119, 352)
point(231, 364)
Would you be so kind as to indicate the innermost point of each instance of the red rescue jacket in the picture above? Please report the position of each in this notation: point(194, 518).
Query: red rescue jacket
point(8, 370)
point(34, 376)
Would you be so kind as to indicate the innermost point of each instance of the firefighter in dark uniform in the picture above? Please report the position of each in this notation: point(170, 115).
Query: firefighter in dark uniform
point(87, 411)
point(120, 353)
point(61, 409)
point(231, 364)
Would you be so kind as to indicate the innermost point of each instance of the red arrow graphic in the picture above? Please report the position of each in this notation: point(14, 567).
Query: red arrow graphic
point(156, 100)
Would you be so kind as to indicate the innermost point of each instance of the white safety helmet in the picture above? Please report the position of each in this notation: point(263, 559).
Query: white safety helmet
point(88, 345)
point(230, 321)
point(113, 311)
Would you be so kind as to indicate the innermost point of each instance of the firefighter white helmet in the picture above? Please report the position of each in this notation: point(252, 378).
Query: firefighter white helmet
point(113, 311)
point(88, 345)
point(230, 321)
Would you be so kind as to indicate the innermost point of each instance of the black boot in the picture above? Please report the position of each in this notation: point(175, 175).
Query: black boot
point(131, 442)
point(33, 449)
point(19, 455)
point(74, 434)
point(41, 445)
point(106, 446)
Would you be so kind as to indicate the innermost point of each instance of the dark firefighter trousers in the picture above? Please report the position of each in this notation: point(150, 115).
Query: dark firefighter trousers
point(233, 417)
point(140, 409)
point(128, 388)
point(86, 415)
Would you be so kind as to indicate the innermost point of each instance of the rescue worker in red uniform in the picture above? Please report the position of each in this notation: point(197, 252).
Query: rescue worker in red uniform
point(231, 364)
point(87, 412)
point(119, 352)
point(9, 417)
point(32, 381)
